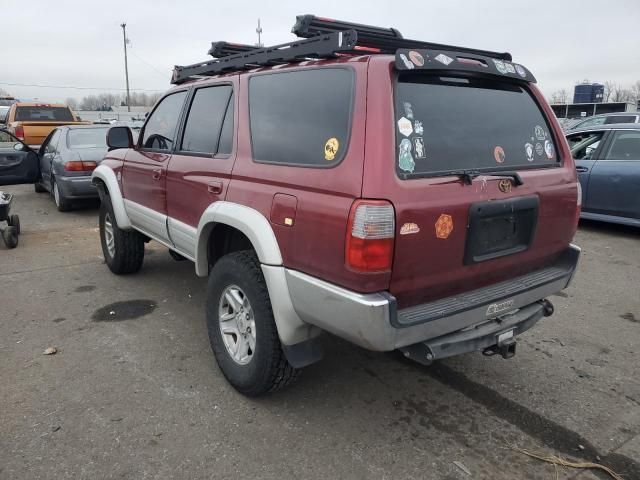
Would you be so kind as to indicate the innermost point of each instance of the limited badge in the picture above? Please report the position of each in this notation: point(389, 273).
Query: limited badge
point(528, 148)
point(539, 149)
point(407, 62)
point(539, 133)
point(405, 160)
point(500, 66)
point(331, 148)
point(521, 71)
point(405, 127)
point(444, 226)
point(418, 147)
point(505, 185)
point(408, 111)
point(548, 149)
point(510, 68)
point(416, 58)
point(409, 228)
point(442, 58)
point(498, 154)
point(417, 127)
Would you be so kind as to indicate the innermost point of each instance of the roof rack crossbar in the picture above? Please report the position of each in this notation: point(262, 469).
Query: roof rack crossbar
point(319, 46)
point(224, 49)
point(387, 40)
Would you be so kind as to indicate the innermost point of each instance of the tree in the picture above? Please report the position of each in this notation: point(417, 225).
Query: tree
point(635, 92)
point(4, 93)
point(72, 102)
point(560, 96)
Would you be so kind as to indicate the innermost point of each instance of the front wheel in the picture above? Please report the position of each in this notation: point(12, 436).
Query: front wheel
point(123, 250)
point(10, 236)
point(242, 330)
point(14, 221)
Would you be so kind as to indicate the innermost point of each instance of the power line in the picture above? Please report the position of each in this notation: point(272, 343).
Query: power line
point(77, 88)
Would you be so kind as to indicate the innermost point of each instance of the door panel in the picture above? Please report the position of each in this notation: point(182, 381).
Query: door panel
point(585, 148)
point(18, 164)
point(615, 179)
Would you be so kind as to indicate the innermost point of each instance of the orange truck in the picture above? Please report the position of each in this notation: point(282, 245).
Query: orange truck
point(32, 122)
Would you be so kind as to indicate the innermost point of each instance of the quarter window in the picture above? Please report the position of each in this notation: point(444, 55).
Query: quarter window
point(301, 117)
point(584, 145)
point(209, 126)
point(625, 146)
point(160, 129)
point(53, 142)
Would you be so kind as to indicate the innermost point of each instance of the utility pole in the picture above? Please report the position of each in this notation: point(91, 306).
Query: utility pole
point(126, 65)
point(259, 32)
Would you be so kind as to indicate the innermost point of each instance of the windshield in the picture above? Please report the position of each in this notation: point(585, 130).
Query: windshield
point(87, 138)
point(452, 124)
point(51, 114)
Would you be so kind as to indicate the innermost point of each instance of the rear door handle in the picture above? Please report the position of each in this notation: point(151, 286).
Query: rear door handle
point(582, 169)
point(157, 174)
point(215, 187)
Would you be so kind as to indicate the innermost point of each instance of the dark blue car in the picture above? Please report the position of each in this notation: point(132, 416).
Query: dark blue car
point(607, 159)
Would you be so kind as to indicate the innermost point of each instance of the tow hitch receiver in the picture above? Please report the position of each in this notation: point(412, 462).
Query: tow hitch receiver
point(506, 349)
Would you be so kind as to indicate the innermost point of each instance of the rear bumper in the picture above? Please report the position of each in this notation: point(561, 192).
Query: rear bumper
point(77, 187)
point(373, 322)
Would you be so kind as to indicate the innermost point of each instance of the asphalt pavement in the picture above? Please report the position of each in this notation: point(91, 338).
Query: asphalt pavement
point(134, 391)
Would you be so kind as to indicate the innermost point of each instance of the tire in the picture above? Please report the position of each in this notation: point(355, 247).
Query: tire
point(62, 203)
point(123, 250)
point(264, 368)
point(10, 236)
point(14, 221)
point(39, 188)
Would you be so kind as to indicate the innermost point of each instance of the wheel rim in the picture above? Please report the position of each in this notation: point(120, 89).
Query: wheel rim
point(56, 194)
point(237, 324)
point(108, 235)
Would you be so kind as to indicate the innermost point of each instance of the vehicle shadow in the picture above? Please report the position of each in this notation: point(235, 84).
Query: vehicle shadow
point(594, 226)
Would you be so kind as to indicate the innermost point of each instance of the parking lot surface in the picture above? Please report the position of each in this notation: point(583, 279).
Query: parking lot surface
point(134, 390)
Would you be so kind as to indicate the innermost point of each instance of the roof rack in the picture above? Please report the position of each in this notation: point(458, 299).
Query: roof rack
point(322, 38)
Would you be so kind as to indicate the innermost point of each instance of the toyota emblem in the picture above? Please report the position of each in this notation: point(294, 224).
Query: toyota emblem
point(504, 185)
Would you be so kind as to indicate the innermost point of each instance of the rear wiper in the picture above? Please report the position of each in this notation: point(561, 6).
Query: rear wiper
point(467, 176)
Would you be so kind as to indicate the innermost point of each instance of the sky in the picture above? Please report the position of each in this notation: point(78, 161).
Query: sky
point(80, 44)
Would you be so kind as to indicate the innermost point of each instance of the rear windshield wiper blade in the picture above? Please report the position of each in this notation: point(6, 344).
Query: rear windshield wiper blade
point(467, 176)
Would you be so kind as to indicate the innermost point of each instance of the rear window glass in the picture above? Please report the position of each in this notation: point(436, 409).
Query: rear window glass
point(302, 117)
point(51, 114)
point(87, 138)
point(620, 119)
point(452, 124)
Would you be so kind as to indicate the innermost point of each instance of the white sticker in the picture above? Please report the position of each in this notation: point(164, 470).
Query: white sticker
point(418, 147)
point(539, 149)
point(509, 67)
point(408, 111)
point(404, 125)
point(521, 71)
point(417, 127)
point(407, 62)
point(539, 133)
point(405, 160)
point(528, 148)
point(500, 66)
point(442, 58)
point(548, 149)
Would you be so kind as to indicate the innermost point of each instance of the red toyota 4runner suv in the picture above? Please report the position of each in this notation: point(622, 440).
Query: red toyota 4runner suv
point(398, 194)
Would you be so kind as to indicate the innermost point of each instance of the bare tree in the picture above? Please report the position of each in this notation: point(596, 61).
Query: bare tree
point(621, 95)
point(609, 90)
point(72, 102)
point(635, 92)
point(560, 96)
point(4, 92)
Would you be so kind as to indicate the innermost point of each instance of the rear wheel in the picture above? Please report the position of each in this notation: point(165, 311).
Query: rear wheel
point(61, 202)
point(14, 221)
point(123, 250)
point(10, 236)
point(242, 330)
point(39, 188)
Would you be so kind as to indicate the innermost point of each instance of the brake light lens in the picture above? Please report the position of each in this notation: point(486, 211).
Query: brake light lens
point(578, 204)
point(80, 166)
point(19, 132)
point(370, 236)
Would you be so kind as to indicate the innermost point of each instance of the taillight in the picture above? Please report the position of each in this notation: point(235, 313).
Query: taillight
point(578, 204)
point(80, 166)
point(19, 132)
point(370, 236)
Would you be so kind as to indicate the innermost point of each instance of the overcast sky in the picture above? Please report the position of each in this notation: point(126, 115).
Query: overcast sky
point(78, 43)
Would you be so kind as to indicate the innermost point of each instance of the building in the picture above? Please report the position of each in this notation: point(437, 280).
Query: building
point(579, 110)
point(588, 93)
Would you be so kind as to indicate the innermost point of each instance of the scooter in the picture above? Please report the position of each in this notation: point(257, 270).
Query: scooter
point(11, 232)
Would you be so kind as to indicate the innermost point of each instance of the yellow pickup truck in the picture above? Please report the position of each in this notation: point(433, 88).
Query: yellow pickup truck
point(32, 122)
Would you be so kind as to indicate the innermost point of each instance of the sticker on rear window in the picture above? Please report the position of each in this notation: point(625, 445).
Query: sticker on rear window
point(405, 160)
point(408, 111)
point(404, 126)
point(548, 149)
point(442, 58)
point(498, 154)
point(528, 148)
point(521, 71)
point(539, 149)
point(416, 58)
point(417, 127)
point(331, 148)
point(500, 66)
point(418, 146)
point(407, 62)
point(539, 132)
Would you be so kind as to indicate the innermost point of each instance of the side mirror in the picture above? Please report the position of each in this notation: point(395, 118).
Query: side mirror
point(19, 147)
point(119, 137)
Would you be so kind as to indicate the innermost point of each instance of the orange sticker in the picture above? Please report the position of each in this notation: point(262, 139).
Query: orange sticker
point(444, 226)
point(498, 154)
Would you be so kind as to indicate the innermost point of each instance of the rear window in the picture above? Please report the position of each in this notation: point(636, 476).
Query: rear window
point(87, 138)
point(452, 124)
point(301, 117)
point(620, 119)
point(51, 114)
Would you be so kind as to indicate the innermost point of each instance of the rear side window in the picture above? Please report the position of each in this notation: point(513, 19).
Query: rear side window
point(620, 119)
point(625, 146)
point(87, 138)
point(301, 118)
point(160, 129)
point(452, 124)
point(204, 130)
point(51, 114)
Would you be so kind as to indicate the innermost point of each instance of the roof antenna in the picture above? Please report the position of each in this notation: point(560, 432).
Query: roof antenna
point(259, 32)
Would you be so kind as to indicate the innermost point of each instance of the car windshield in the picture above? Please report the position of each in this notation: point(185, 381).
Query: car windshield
point(43, 113)
point(87, 138)
point(452, 124)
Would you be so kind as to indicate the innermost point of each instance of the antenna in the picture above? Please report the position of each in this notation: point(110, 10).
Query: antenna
point(259, 32)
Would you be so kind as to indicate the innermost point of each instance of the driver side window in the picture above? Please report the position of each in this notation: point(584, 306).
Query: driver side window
point(584, 145)
point(51, 145)
point(160, 129)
